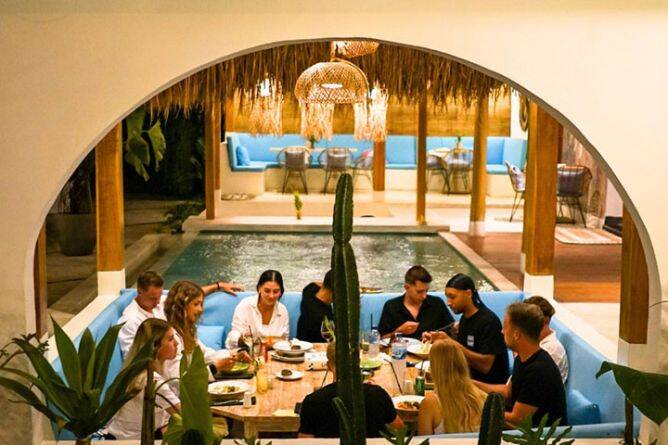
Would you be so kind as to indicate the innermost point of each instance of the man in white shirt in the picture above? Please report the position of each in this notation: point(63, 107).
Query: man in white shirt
point(149, 303)
point(548, 338)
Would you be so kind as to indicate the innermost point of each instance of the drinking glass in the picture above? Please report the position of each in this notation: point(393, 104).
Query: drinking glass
point(326, 330)
point(364, 341)
point(262, 382)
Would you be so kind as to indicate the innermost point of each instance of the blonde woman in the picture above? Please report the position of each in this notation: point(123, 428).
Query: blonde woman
point(126, 423)
point(183, 307)
point(455, 405)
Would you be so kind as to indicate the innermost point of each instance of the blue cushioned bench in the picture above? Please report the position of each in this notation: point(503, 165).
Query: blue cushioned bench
point(595, 406)
point(250, 153)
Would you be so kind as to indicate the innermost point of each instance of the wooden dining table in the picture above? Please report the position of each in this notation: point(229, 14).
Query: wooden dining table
point(274, 410)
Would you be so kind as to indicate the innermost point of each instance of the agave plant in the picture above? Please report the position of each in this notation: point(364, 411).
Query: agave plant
point(539, 436)
point(79, 403)
point(250, 441)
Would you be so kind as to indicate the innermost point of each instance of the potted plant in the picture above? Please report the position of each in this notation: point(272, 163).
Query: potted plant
point(74, 222)
point(298, 204)
point(75, 403)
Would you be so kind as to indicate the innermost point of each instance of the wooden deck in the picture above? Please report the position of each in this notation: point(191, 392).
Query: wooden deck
point(583, 273)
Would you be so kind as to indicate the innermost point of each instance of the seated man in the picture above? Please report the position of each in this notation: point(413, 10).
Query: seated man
point(548, 338)
point(535, 388)
point(149, 303)
point(414, 312)
point(315, 306)
point(318, 416)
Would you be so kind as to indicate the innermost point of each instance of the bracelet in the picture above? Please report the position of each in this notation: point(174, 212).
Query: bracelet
point(217, 285)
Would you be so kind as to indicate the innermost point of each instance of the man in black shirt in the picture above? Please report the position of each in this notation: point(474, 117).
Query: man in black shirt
point(414, 312)
point(535, 388)
point(318, 418)
point(315, 306)
point(478, 332)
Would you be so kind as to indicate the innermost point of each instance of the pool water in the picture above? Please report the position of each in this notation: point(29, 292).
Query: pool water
point(382, 259)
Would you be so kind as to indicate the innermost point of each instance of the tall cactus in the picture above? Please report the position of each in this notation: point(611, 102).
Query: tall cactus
point(347, 319)
point(491, 422)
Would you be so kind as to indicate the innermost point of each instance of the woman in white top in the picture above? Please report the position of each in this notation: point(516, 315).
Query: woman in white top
point(262, 315)
point(183, 307)
point(455, 405)
point(126, 423)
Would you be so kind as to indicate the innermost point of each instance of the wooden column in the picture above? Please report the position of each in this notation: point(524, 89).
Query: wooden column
point(421, 207)
point(39, 274)
point(211, 144)
point(216, 152)
point(634, 302)
point(109, 202)
point(379, 166)
point(540, 209)
point(479, 189)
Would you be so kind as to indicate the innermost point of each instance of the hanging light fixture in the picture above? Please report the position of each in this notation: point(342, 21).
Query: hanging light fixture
point(265, 109)
point(371, 121)
point(324, 85)
point(355, 48)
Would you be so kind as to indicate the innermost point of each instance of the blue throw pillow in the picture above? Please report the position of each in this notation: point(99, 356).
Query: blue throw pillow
point(212, 336)
point(242, 156)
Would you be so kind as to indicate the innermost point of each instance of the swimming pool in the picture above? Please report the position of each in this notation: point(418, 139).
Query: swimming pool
point(382, 259)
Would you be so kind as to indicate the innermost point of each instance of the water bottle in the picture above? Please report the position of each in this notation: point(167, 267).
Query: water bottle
point(374, 343)
point(399, 352)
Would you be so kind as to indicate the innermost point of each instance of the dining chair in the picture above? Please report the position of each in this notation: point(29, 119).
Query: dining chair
point(335, 161)
point(295, 161)
point(572, 184)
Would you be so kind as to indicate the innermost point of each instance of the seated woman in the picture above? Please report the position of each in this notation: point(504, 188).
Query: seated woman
point(262, 315)
point(315, 306)
point(455, 405)
point(183, 308)
point(126, 423)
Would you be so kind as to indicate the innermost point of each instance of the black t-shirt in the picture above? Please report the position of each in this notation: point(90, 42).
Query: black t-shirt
point(537, 382)
point(481, 333)
point(433, 315)
point(313, 311)
point(318, 416)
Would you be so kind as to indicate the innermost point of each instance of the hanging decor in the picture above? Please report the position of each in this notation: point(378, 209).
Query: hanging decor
point(355, 48)
point(324, 85)
point(317, 121)
point(376, 122)
point(266, 109)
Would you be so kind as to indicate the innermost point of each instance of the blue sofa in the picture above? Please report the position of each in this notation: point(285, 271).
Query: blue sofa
point(595, 406)
point(400, 150)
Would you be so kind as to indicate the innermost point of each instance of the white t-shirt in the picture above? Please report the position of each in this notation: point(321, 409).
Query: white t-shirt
point(553, 346)
point(171, 367)
point(248, 318)
point(133, 316)
point(126, 423)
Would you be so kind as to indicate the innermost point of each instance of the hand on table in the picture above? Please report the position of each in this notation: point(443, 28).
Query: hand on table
point(409, 327)
point(225, 364)
point(434, 336)
point(242, 356)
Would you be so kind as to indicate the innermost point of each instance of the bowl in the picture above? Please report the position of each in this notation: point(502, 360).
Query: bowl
point(227, 390)
point(292, 348)
point(420, 350)
point(407, 403)
point(237, 369)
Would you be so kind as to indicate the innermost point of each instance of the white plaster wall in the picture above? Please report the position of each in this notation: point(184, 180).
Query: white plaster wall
point(70, 70)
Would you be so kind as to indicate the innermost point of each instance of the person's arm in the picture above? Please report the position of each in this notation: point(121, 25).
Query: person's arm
point(239, 325)
point(230, 288)
point(397, 423)
point(127, 335)
point(426, 414)
point(388, 327)
point(520, 412)
point(480, 362)
point(504, 390)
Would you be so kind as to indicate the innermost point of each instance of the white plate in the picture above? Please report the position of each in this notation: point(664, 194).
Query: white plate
point(296, 375)
point(423, 366)
point(240, 387)
point(287, 359)
point(409, 341)
point(418, 350)
point(285, 347)
point(407, 398)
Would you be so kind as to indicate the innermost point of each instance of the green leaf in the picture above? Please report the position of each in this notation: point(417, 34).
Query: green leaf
point(87, 358)
point(30, 398)
point(345, 422)
point(103, 353)
point(343, 209)
point(158, 143)
point(194, 395)
point(138, 165)
point(135, 121)
point(69, 358)
point(645, 390)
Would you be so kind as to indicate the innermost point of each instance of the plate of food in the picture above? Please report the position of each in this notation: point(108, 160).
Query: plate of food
point(236, 369)
point(287, 358)
point(292, 347)
point(420, 350)
point(227, 390)
point(371, 363)
point(289, 374)
point(407, 403)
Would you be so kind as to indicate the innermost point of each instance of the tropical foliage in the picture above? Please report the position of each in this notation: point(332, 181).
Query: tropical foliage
point(79, 403)
point(143, 143)
point(176, 215)
point(539, 436)
point(400, 436)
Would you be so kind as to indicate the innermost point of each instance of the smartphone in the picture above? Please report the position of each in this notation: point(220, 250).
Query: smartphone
point(298, 407)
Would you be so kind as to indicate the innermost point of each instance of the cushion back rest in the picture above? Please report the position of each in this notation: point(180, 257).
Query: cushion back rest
point(515, 151)
point(258, 147)
point(346, 141)
point(585, 362)
point(495, 150)
point(400, 149)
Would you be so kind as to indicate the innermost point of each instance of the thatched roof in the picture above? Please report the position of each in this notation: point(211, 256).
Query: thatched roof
point(405, 72)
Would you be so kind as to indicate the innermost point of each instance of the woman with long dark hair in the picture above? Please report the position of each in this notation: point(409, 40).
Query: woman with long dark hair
point(478, 332)
point(261, 315)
